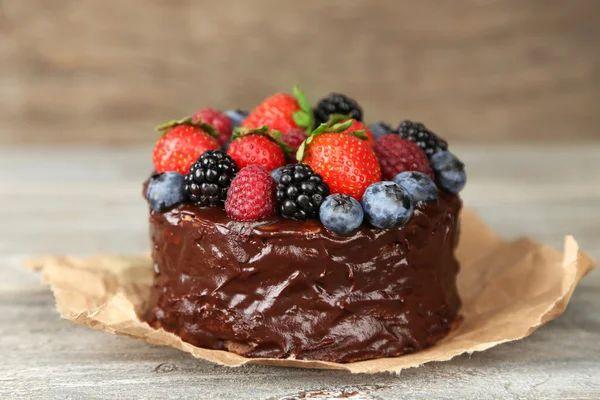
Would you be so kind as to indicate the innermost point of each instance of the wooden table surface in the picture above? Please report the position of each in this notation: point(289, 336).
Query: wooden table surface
point(84, 201)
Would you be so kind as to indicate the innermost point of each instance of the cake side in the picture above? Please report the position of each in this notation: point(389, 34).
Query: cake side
point(284, 288)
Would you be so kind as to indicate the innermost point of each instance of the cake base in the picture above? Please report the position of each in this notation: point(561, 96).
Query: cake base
point(282, 288)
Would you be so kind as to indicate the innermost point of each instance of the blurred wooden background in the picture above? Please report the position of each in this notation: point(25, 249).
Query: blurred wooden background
point(105, 72)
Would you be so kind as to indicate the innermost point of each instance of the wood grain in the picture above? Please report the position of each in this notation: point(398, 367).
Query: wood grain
point(84, 201)
point(105, 72)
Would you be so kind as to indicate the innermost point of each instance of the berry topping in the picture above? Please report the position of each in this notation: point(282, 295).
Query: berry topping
point(416, 132)
point(387, 205)
point(218, 120)
point(182, 144)
point(294, 138)
point(300, 192)
point(209, 178)
point(419, 185)
point(341, 214)
point(276, 173)
point(225, 146)
point(346, 162)
point(251, 195)
point(236, 116)
point(165, 191)
point(337, 103)
point(380, 128)
point(258, 146)
point(449, 171)
point(282, 112)
point(397, 155)
point(358, 126)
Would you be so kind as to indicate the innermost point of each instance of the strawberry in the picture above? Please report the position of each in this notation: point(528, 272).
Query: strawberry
point(360, 126)
point(218, 120)
point(282, 112)
point(345, 160)
point(258, 146)
point(397, 155)
point(251, 196)
point(184, 141)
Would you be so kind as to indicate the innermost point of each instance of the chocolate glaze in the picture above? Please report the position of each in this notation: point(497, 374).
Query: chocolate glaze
point(282, 288)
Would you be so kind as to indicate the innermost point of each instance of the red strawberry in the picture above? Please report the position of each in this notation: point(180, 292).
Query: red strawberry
point(219, 120)
point(359, 126)
point(257, 146)
point(182, 144)
point(346, 162)
point(397, 155)
point(282, 112)
point(251, 196)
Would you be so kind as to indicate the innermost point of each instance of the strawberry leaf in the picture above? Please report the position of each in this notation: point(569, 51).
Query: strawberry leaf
point(301, 98)
point(167, 126)
point(361, 134)
point(173, 123)
point(239, 132)
point(303, 117)
point(301, 150)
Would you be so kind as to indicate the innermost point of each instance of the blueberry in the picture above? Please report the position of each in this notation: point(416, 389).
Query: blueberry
point(276, 173)
point(387, 205)
point(380, 128)
point(341, 214)
point(225, 146)
point(236, 116)
point(449, 171)
point(419, 185)
point(165, 191)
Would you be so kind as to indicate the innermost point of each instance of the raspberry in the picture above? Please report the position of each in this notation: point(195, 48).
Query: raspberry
point(294, 137)
point(397, 155)
point(218, 120)
point(428, 141)
point(337, 103)
point(251, 196)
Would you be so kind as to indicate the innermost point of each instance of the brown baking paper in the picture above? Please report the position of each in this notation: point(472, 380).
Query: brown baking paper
point(508, 289)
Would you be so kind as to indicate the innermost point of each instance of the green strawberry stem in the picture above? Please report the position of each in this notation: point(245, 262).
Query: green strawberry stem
point(337, 123)
point(303, 117)
point(274, 135)
point(167, 126)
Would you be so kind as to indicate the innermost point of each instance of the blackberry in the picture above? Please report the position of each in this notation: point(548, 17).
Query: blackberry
point(428, 141)
point(209, 178)
point(336, 103)
point(300, 192)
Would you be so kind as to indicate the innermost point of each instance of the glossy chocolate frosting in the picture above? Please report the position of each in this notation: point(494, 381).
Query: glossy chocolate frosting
point(282, 288)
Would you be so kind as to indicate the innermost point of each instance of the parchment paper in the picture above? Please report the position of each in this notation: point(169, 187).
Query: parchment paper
point(508, 289)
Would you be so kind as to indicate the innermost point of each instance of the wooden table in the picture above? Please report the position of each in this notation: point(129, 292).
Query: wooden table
point(84, 201)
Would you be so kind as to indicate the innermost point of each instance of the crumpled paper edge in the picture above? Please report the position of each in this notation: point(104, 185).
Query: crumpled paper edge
point(575, 263)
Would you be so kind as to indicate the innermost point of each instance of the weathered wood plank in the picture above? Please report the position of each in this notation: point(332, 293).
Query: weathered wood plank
point(106, 72)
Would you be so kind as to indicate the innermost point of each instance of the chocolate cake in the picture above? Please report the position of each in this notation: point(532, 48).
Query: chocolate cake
point(285, 288)
point(346, 255)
